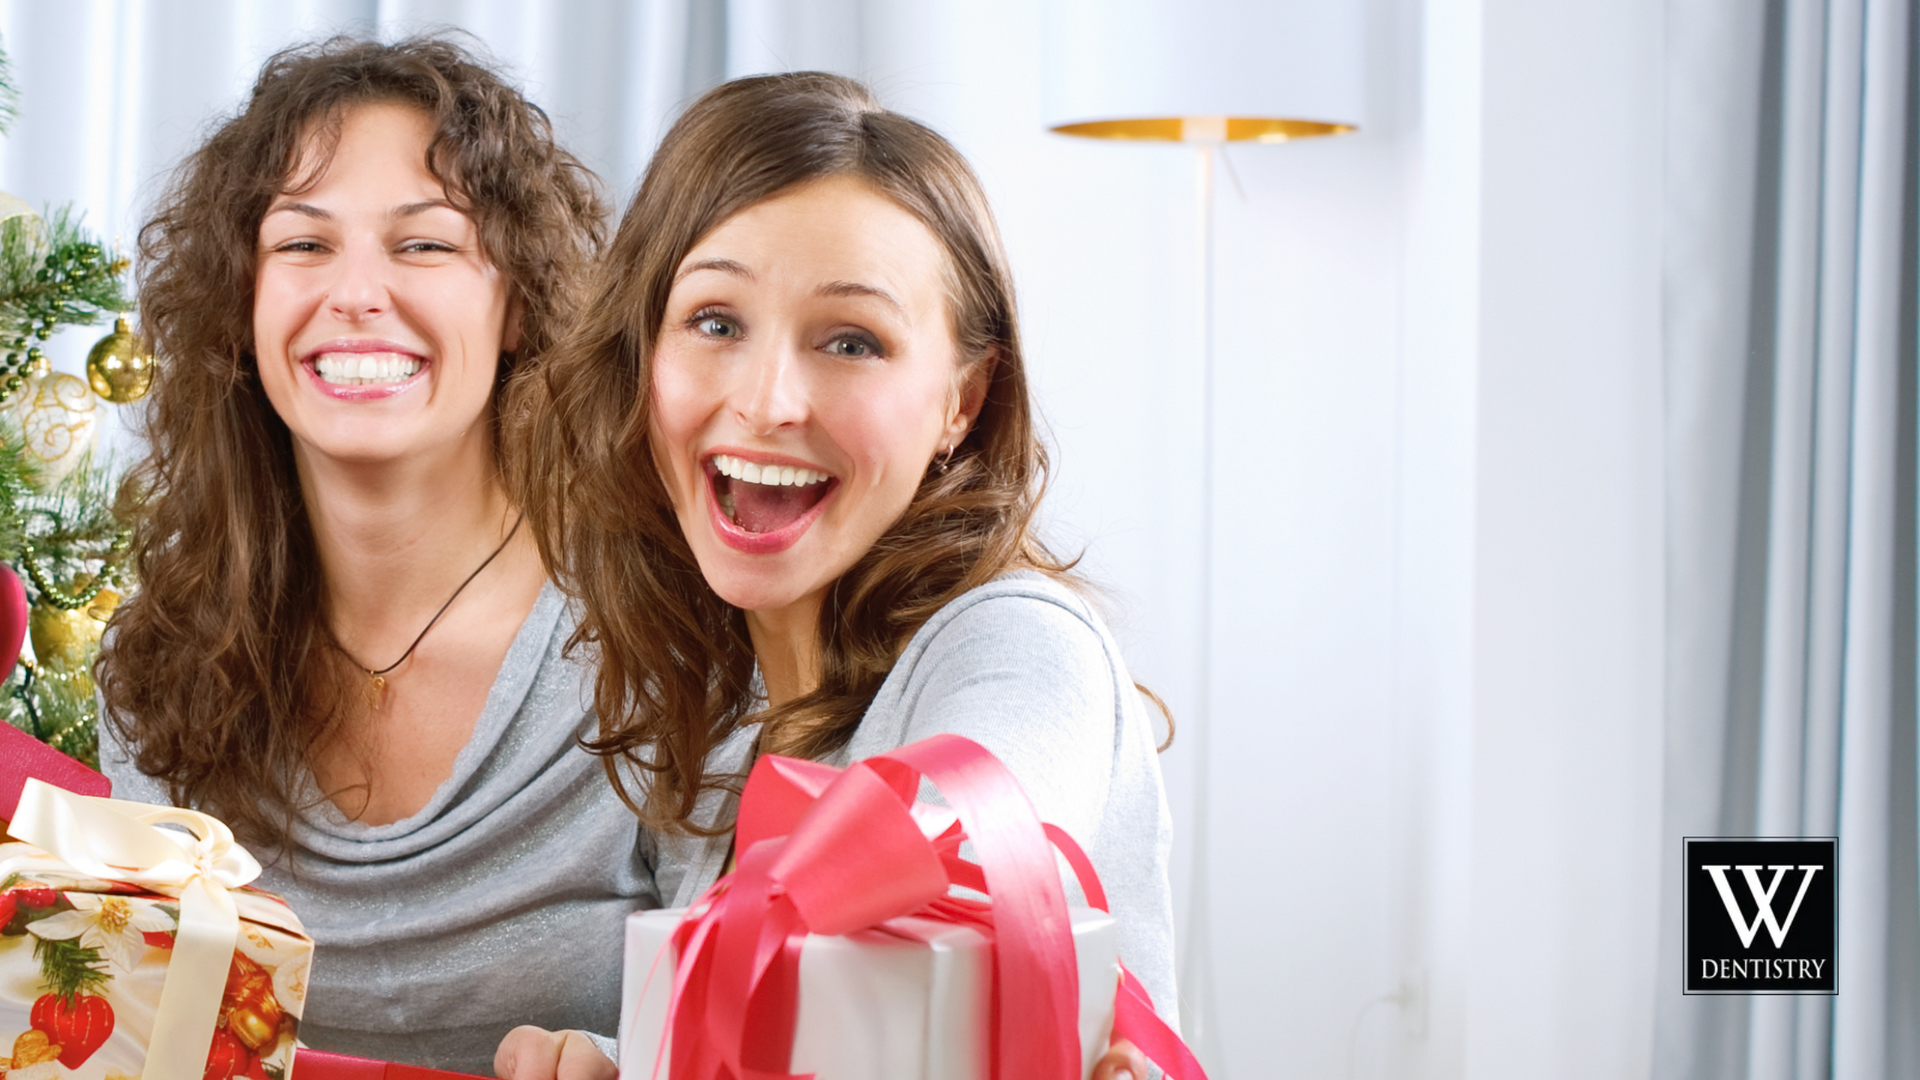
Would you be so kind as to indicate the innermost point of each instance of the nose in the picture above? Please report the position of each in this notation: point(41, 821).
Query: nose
point(774, 392)
point(358, 290)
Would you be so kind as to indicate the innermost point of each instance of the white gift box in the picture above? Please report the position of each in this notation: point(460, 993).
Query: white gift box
point(907, 1000)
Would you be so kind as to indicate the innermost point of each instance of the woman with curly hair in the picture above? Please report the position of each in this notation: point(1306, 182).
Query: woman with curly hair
point(788, 464)
point(344, 643)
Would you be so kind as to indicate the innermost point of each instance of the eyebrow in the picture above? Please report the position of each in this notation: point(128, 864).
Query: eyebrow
point(412, 208)
point(854, 288)
point(725, 266)
point(303, 209)
point(404, 210)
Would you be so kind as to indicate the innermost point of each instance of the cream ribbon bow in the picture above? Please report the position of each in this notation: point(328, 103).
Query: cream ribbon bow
point(117, 840)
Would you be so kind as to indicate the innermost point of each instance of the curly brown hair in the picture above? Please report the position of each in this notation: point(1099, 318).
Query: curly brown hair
point(220, 674)
point(676, 663)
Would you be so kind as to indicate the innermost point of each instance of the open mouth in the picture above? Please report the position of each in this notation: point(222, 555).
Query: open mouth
point(365, 369)
point(764, 498)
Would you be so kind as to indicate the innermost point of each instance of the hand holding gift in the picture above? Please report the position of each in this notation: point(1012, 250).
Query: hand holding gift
point(144, 955)
point(844, 876)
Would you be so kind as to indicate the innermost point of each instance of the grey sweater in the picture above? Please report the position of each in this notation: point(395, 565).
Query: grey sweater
point(502, 902)
point(1023, 666)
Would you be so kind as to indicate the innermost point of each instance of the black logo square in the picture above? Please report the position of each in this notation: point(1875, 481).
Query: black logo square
point(1760, 915)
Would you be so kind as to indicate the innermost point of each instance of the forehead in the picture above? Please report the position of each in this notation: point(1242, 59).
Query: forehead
point(839, 229)
point(386, 140)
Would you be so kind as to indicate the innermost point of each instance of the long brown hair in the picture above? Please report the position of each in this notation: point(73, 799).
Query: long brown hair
point(220, 672)
point(675, 660)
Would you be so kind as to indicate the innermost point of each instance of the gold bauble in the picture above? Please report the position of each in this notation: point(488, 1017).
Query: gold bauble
point(118, 368)
point(64, 640)
point(251, 1028)
point(103, 605)
point(57, 413)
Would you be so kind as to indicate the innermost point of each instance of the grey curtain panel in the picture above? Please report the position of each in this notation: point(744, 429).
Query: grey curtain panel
point(1790, 291)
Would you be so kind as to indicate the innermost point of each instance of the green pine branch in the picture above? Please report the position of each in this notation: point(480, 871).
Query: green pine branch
point(52, 274)
point(68, 968)
point(9, 97)
point(20, 475)
point(75, 536)
point(55, 706)
point(61, 538)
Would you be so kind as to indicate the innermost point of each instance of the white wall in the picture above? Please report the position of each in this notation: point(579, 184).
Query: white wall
point(1434, 747)
point(1569, 589)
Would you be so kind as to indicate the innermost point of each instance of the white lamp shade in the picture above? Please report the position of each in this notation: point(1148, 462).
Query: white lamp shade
point(1204, 69)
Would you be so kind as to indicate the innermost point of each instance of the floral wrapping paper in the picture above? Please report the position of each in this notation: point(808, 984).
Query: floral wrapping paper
point(83, 961)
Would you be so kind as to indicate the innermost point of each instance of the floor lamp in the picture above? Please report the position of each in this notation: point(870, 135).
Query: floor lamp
point(1205, 73)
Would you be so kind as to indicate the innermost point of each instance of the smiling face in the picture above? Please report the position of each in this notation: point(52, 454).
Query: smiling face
point(804, 378)
point(378, 322)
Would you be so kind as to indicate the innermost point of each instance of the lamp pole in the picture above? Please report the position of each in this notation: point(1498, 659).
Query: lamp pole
point(1196, 974)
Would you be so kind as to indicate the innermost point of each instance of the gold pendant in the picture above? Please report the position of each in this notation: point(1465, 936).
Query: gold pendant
point(376, 689)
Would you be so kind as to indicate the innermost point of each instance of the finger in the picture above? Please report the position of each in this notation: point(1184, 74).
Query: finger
point(1122, 1061)
point(527, 1053)
point(580, 1059)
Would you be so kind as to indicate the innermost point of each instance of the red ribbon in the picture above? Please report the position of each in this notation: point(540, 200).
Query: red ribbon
point(828, 852)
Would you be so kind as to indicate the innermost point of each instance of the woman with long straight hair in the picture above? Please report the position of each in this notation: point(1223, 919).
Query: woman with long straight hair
point(344, 643)
point(787, 462)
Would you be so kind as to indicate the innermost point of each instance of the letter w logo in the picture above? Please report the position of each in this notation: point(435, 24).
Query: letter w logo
point(1763, 900)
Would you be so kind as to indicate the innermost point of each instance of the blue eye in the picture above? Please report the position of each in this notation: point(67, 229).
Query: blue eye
point(717, 326)
point(851, 346)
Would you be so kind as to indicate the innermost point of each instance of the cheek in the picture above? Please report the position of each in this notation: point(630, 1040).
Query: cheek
point(270, 311)
point(891, 427)
point(679, 408)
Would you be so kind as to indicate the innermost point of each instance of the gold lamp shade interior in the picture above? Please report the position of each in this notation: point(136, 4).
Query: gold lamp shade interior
point(1204, 129)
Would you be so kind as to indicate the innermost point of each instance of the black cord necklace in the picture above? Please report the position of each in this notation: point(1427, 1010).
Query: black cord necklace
point(378, 679)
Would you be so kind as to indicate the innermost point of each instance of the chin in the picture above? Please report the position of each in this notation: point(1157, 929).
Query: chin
point(752, 588)
point(752, 595)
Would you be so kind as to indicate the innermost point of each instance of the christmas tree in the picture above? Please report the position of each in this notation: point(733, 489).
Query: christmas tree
point(62, 548)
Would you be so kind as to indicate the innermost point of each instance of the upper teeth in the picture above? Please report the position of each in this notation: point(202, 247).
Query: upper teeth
point(753, 473)
point(354, 369)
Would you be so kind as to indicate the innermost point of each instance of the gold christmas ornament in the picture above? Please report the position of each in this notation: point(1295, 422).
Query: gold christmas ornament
point(103, 605)
point(64, 640)
point(57, 413)
point(118, 368)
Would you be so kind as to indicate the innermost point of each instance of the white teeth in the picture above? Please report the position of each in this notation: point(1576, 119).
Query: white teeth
point(772, 475)
point(363, 369)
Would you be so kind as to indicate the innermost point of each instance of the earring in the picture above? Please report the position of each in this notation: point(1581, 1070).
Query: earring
point(945, 457)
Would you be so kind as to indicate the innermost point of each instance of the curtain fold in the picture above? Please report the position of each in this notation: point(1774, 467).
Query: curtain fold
point(1789, 291)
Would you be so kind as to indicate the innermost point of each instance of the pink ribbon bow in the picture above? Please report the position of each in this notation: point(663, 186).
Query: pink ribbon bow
point(828, 852)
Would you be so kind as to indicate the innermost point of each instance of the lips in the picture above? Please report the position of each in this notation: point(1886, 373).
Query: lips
point(358, 369)
point(761, 507)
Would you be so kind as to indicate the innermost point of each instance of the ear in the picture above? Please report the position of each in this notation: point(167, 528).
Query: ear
point(970, 398)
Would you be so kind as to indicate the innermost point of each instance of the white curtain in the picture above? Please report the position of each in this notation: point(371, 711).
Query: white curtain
point(1790, 278)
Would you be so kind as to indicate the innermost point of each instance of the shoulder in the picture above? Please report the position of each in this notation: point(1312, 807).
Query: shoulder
point(1025, 618)
point(1023, 659)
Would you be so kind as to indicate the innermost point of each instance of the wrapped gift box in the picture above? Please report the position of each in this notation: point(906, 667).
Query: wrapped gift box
point(112, 943)
point(907, 1000)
